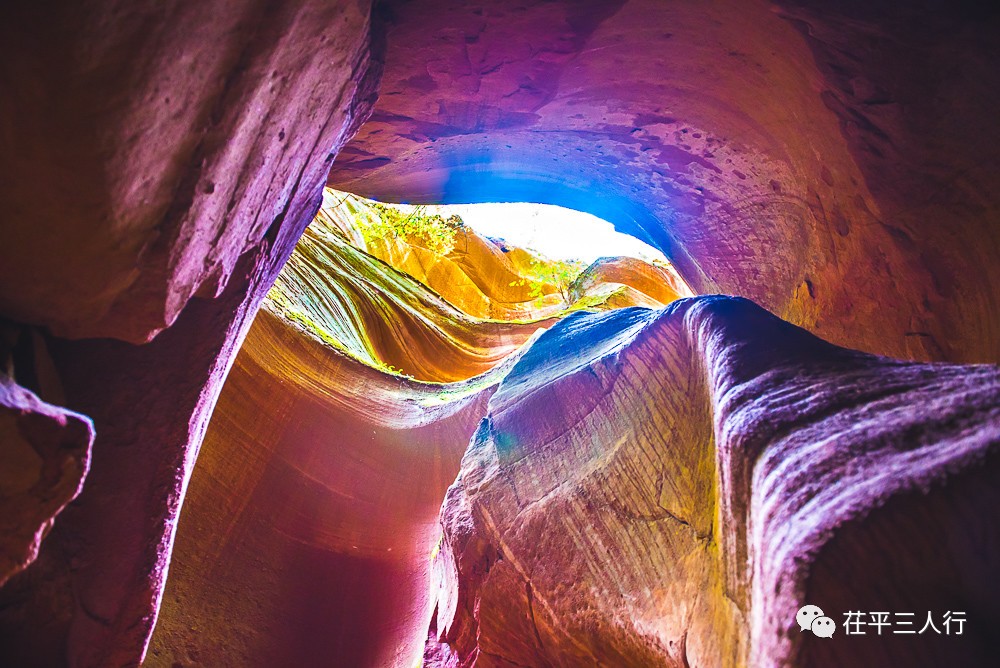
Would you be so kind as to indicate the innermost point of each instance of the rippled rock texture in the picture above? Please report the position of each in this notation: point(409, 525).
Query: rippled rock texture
point(310, 522)
point(669, 487)
point(439, 316)
point(310, 519)
point(835, 162)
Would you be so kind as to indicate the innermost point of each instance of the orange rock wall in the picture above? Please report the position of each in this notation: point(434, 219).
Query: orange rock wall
point(312, 515)
point(185, 156)
point(310, 525)
point(834, 162)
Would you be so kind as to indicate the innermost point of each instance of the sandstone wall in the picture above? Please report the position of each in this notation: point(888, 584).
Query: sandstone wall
point(154, 156)
point(836, 163)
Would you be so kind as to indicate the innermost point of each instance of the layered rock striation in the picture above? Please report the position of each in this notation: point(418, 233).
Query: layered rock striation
point(322, 473)
point(835, 162)
point(420, 312)
point(669, 488)
point(310, 520)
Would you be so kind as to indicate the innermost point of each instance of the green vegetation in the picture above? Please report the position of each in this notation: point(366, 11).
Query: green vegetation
point(300, 317)
point(330, 243)
point(432, 231)
point(560, 273)
point(590, 301)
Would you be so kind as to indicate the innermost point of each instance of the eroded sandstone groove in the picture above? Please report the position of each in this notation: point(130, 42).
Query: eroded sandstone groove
point(835, 162)
point(669, 487)
point(322, 473)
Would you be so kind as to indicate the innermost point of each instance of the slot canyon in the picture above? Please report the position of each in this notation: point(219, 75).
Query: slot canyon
point(240, 428)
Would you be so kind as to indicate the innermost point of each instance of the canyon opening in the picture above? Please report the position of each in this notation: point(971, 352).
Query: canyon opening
point(254, 413)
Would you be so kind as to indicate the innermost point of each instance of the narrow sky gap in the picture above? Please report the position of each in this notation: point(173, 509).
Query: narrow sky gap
point(554, 231)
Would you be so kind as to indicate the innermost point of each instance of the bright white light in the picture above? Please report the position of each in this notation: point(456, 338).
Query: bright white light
point(553, 231)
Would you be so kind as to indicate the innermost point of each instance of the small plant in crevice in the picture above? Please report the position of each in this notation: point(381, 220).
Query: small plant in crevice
point(560, 273)
point(432, 231)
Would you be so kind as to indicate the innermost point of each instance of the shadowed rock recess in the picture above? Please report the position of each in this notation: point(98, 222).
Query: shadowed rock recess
point(238, 429)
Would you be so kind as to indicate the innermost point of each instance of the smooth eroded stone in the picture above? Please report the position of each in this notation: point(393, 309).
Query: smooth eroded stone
point(669, 487)
point(184, 160)
point(183, 130)
point(439, 315)
point(834, 162)
point(44, 459)
point(309, 524)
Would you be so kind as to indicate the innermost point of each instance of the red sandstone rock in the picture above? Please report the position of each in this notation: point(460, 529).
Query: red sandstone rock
point(640, 283)
point(834, 162)
point(335, 292)
point(182, 132)
point(320, 479)
point(45, 456)
point(92, 597)
point(259, 142)
point(668, 488)
point(312, 516)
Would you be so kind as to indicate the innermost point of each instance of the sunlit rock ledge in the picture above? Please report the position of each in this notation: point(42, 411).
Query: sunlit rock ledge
point(395, 304)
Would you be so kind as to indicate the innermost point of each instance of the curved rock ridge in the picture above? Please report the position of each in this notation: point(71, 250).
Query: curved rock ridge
point(684, 479)
point(619, 282)
point(311, 517)
point(342, 462)
point(184, 137)
point(391, 316)
point(669, 487)
point(480, 277)
point(354, 302)
point(492, 279)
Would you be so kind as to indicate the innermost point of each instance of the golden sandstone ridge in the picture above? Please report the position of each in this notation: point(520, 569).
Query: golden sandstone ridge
point(230, 437)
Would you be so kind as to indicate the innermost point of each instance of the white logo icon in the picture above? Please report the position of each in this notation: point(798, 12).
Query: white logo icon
point(811, 618)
